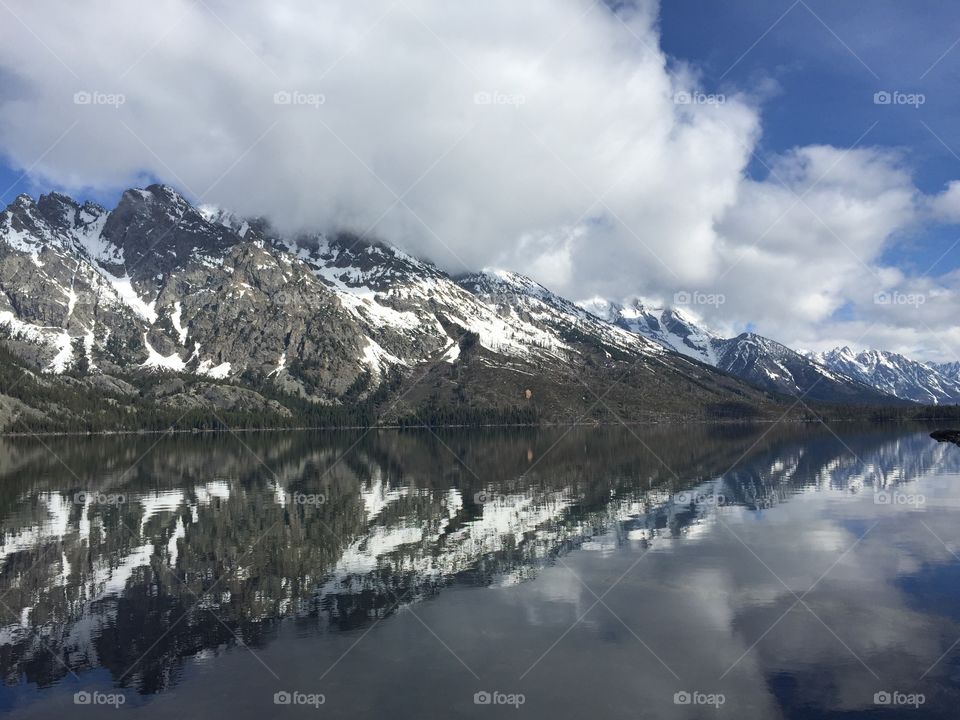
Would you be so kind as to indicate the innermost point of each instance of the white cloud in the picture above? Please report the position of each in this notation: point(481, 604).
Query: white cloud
point(544, 136)
point(946, 205)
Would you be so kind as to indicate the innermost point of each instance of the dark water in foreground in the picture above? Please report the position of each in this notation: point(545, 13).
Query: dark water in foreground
point(672, 573)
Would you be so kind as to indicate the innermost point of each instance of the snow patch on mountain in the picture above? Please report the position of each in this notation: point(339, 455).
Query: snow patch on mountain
point(218, 372)
point(157, 361)
point(378, 359)
point(175, 318)
point(124, 293)
point(64, 356)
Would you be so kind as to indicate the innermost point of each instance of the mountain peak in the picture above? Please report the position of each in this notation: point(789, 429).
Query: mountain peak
point(58, 209)
point(158, 229)
point(22, 201)
point(159, 190)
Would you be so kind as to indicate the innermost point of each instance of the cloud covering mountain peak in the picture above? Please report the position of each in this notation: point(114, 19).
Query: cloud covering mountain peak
point(565, 143)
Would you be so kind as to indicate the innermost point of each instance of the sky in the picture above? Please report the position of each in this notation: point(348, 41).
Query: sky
point(791, 167)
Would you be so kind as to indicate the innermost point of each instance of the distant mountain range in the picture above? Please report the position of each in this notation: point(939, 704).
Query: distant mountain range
point(162, 308)
point(760, 361)
point(897, 375)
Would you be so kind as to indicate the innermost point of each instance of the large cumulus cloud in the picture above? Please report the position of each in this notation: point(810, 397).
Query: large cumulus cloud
point(545, 136)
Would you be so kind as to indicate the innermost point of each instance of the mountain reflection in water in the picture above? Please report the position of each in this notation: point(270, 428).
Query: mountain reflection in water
point(123, 558)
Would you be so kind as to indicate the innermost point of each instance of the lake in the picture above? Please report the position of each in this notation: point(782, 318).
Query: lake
point(776, 571)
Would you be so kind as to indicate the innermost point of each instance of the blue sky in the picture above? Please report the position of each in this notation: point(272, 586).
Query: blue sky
point(828, 59)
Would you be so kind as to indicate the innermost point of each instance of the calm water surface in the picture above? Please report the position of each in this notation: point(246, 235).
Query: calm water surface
point(738, 572)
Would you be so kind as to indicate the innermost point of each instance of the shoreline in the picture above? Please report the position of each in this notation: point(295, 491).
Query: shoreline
point(368, 428)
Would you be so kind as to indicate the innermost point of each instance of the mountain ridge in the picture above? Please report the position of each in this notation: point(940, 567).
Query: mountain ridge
point(896, 374)
point(763, 362)
point(157, 285)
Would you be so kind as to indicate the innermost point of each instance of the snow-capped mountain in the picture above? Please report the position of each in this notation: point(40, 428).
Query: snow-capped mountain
point(769, 364)
point(514, 295)
point(670, 327)
point(949, 370)
point(157, 284)
point(896, 375)
point(760, 361)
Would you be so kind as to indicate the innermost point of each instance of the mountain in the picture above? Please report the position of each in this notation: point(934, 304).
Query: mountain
point(949, 370)
point(670, 327)
point(161, 308)
point(513, 295)
point(896, 375)
point(760, 361)
point(771, 365)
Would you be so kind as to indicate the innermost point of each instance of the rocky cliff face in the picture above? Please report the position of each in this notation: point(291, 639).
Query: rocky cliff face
point(155, 285)
point(159, 286)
